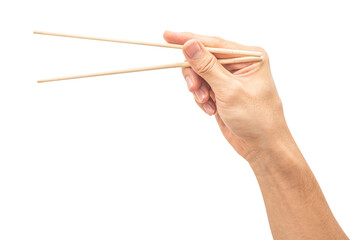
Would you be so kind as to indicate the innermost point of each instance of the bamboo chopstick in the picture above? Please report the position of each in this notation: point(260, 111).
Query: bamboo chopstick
point(167, 45)
point(164, 66)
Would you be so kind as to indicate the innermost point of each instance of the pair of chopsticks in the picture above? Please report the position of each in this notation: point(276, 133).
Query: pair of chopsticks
point(249, 56)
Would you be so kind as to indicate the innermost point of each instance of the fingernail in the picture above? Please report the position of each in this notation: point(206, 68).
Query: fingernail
point(208, 108)
point(200, 94)
point(192, 49)
point(189, 82)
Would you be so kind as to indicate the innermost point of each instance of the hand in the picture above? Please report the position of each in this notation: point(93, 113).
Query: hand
point(242, 96)
point(249, 112)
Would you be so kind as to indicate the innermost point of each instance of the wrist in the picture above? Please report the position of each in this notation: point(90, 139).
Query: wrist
point(276, 154)
point(281, 166)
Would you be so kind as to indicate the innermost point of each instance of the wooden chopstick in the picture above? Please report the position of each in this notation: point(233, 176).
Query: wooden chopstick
point(164, 66)
point(167, 45)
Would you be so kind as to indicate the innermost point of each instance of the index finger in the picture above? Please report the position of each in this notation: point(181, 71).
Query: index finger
point(217, 42)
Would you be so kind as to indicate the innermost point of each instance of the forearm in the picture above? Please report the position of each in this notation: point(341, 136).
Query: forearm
point(295, 204)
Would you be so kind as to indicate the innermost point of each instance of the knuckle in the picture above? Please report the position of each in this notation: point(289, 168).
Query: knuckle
point(185, 72)
point(197, 100)
point(218, 41)
point(189, 34)
point(206, 65)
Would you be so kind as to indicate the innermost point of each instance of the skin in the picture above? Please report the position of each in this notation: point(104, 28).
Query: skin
point(244, 100)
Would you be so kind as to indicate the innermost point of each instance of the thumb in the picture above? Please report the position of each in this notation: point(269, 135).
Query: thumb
point(206, 65)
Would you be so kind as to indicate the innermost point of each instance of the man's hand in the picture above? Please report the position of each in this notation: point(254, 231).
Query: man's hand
point(249, 112)
point(242, 96)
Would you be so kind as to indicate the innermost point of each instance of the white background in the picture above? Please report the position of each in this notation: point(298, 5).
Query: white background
point(131, 156)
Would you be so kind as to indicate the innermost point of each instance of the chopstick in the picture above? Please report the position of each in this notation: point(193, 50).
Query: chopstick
point(164, 66)
point(167, 45)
